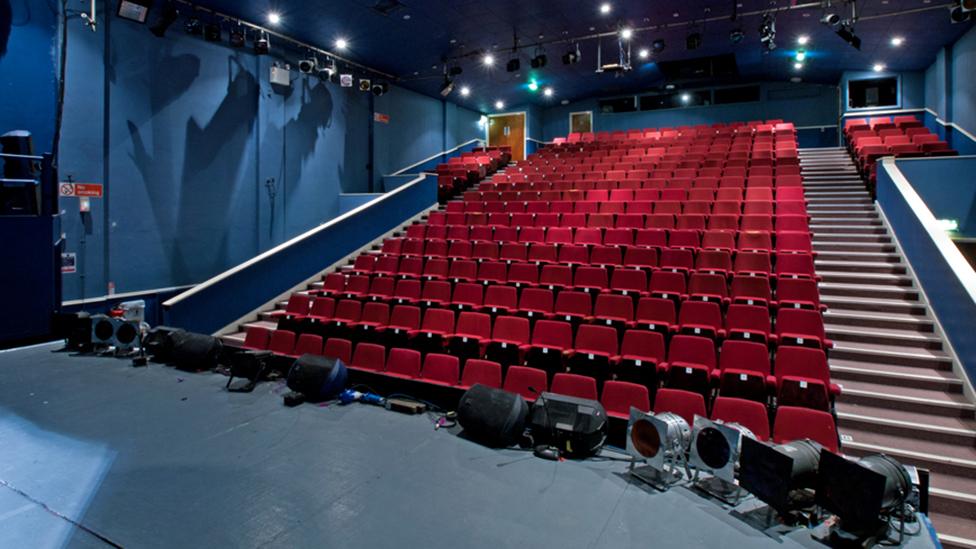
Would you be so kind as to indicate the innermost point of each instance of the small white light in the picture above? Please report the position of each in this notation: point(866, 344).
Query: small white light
point(488, 60)
point(605, 8)
point(547, 92)
point(274, 18)
point(878, 67)
point(499, 104)
point(797, 65)
point(465, 91)
point(897, 41)
point(801, 55)
point(803, 40)
point(643, 53)
point(685, 98)
point(626, 34)
point(341, 44)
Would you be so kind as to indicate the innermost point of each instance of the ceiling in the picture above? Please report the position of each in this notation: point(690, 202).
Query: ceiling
point(412, 40)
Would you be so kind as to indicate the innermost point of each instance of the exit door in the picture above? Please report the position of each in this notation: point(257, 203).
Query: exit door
point(508, 130)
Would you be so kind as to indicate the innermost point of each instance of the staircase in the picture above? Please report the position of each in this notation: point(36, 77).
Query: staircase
point(900, 396)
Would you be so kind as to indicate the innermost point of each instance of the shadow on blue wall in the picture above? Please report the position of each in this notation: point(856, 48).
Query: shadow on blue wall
point(6, 20)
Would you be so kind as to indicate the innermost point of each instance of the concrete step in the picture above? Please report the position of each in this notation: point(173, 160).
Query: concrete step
point(927, 359)
point(865, 278)
point(912, 399)
point(841, 202)
point(888, 376)
point(852, 238)
point(890, 320)
point(944, 459)
point(859, 221)
point(883, 336)
point(873, 267)
point(876, 305)
point(819, 229)
point(870, 253)
point(950, 429)
point(837, 214)
point(868, 291)
point(235, 339)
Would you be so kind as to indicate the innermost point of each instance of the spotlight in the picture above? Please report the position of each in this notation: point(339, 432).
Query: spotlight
point(365, 84)
point(780, 475)
point(134, 10)
point(547, 92)
point(878, 67)
point(736, 36)
point(715, 449)
point(643, 53)
point(658, 45)
point(605, 8)
point(538, 61)
point(307, 66)
point(803, 40)
point(211, 32)
point(693, 41)
point(897, 41)
point(499, 104)
point(801, 55)
point(380, 88)
point(533, 85)
point(626, 34)
point(513, 64)
point(262, 45)
point(274, 17)
point(846, 32)
point(572, 56)
point(767, 32)
point(962, 11)
point(685, 98)
point(865, 494)
point(830, 19)
point(166, 18)
point(465, 91)
point(447, 87)
point(193, 26)
point(488, 60)
point(669, 86)
point(236, 37)
point(341, 44)
point(455, 71)
point(797, 65)
point(659, 441)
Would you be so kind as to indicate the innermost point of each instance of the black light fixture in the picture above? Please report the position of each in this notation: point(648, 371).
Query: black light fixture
point(380, 88)
point(212, 31)
point(962, 11)
point(513, 64)
point(715, 449)
point(237, 37)
point(167, 16)
point(658, 45)
point(134, 10)
point(693, 41)
point(193, 26)
point(455, 71)
point(846, 32)
point(262, 44)
point(736, 35)
point(572, 56)
point(539, 60)
point(781, 475)
point(767, 32)
point(308, 65)
point(830, 19)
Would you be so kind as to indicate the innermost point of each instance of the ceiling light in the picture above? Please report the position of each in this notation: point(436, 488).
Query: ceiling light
point(465, 91)
point(643, 53)
point(572, 56)
point(801, 55)
point(685, 97)
point(274, 17)
point(262, 45)
point(341, 44)
point(499, 104)
point(626, 34)
point(533, 85)
point(846, 32)
point(512, 65)
point(897, 41)
point(547, 92)
point(878, 67)
point(960, 12)
point(539, 60)
point(797, 65)
point(830, 19)
point(236, 37)
point(488, 60)
point(605, 8)
point(803, 40)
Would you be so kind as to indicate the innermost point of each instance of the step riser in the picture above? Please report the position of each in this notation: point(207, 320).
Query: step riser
point(847, 229)
point(912, 431)
point(866, 247)
point(880, 322)
point(930, 408)
point(848, 277)
point(873, 254)
point(866, 215)
point(881, 292)
point(903, 360)
point(842, 238)
point(868, 376)
point(878, 339)
point(855, 267)
point(844, 221)
point(914, 309)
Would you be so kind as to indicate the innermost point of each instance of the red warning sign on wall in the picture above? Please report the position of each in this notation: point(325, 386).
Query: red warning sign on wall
point(92, 190)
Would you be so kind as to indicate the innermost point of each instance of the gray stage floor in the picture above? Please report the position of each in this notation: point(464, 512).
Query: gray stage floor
point(94, 452)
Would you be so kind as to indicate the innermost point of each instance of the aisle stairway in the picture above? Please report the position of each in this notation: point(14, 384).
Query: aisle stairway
point(900, 394)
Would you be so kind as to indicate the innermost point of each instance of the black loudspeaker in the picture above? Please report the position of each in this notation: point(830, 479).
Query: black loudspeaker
point(317, 377)
point(576, 426)
point(492, 417)
point(195, 352)
point(159, 343)
point(76, 328)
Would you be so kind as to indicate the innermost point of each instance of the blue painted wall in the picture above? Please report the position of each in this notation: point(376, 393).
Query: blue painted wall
point(804, 104)
point(950, 94)
point(28, 69)
point(911, 89)
point(948, 187)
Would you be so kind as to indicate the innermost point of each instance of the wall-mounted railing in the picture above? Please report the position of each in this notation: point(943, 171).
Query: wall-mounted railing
point(430, 163)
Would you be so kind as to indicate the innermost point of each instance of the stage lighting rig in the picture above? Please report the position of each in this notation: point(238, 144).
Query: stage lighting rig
point(572, 56)
point(237, 36)
point(262, 45)
point(513, 65)
point(693, 41)
point(736, 35)
point(846, 32)
point(212, 31)
point(447, 87)
point(660, 442)
point(767, 32)
point(962, 11)
point(380, 88)
point(193, 26)
point(539, 60)
point(715, 449)
point(781, 475)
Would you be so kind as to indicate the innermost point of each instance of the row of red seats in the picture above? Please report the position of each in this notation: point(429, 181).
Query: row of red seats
point(788, 204)
point(586, 172)
point(791, 216)
point(648, 189)
point(905, 136)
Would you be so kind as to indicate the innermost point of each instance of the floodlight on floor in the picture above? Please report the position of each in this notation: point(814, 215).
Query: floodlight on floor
point(715, 449)
point(660, 443)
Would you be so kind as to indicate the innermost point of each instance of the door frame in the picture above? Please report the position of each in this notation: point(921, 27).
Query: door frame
point(525, 128)
point(588, 113)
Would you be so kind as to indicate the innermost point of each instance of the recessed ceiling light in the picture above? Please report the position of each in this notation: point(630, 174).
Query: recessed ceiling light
point(341, 44)
point(533, 85)
point(801, 55)
point(797, 65)
point(803, 40)
point(685, 98)
point(626, 34)
point(675, 14)
point(547, 92)
point(499, 104)
point(796, 79)
point(274, 17)
point(406, 16)
point(643, 53)
point(897, 41)
point(465, 91)
point(806, 14)
point(605, 8)
point(878, 67)
point(488, 60)
point(564, 102)
point(454, 40)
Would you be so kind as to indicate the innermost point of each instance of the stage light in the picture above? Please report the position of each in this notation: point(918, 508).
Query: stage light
point(499, 105)
point(780, 475)
point(134, 10)
point(643, 53)
point(465, 91)
point(897, 41)
point(961, 12)
point(736, 36)
point(878, 67)
point(262, 45)
point(341, 44)
point(548, 92)
point(237, 37)
point(693, 41)
point(307, 66)
point(846, 32)
point(685, 98)
point(803, 40)
point(715, 449)
point(488, 60)
point(797, 65)
point(572, 56)
point(767, 32)
point(605, 8)
point(364, 84)
point(380, 88)
point(513, 65)
point(626, 34)
point(274, 17)
point(801, 55)
point(447, 87)
point(533, 85)
point(539, 61)
point(658, 45)
point(455, 71)
point(830, 19)
point(659, 441)
point(211, 32)
point(193, 26)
